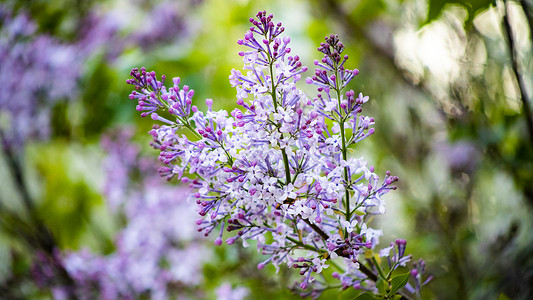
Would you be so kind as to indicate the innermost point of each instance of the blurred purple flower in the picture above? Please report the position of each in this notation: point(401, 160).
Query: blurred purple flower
point(36, 71)
point(226, 292)
point(461, 156)
point(159, 251)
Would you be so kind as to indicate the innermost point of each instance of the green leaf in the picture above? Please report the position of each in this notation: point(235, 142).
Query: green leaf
point(503, 297)
point(435, 8)
point(368, 10)
point(367, 296)
point(398, 282)
point(473, 7)
point(382, 286)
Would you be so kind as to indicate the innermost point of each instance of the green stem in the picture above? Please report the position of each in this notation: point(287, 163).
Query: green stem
point(334, 264)
point(274, 100)
point(348, 212)
point(379, 269)
point(300, 244)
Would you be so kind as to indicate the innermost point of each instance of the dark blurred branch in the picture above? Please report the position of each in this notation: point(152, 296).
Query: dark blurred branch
point(514, 62)
point(384, 53)
point(16, 171)
point(529, 18)
point(34, 233)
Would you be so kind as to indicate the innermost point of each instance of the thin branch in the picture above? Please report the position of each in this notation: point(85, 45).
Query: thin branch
point(16, 171)
point(35, 232)
point(316, 229)
point(529, 18)
point(514, 62)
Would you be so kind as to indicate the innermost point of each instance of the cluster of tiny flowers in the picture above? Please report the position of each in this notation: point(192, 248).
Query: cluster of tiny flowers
point(277, 170)
point(150, 249)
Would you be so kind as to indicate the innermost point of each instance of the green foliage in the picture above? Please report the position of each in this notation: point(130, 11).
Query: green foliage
point(98, 107)
point(238, 266)
point(66, 202)
point(367, 296)
point(398, 282)
point(383, 286)
point(473, 7)
point(368, 10)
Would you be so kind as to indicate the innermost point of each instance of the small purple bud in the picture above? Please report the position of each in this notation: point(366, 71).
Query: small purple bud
point(248, 35)
point(218, 241)
point(331, 246)
point(414, 272)
point(401, 243)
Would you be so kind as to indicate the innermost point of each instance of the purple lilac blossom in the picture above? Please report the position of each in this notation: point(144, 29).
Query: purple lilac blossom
point(36, 71)
point(276, 171)
point(157, 253)
point(226, 292)
point(114, 30)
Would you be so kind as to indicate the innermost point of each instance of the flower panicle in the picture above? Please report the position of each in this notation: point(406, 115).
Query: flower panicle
point(275, 170)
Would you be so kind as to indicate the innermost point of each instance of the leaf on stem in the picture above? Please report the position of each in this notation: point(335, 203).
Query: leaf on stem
point(398, 282)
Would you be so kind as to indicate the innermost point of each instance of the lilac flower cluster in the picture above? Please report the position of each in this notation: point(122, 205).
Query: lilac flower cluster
point(165, 22)
point(226, 292)
point(150, 249)
point(36, 71)
point(277, 170)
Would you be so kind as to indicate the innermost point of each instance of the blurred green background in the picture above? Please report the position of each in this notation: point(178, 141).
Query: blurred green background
point(450, 86)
